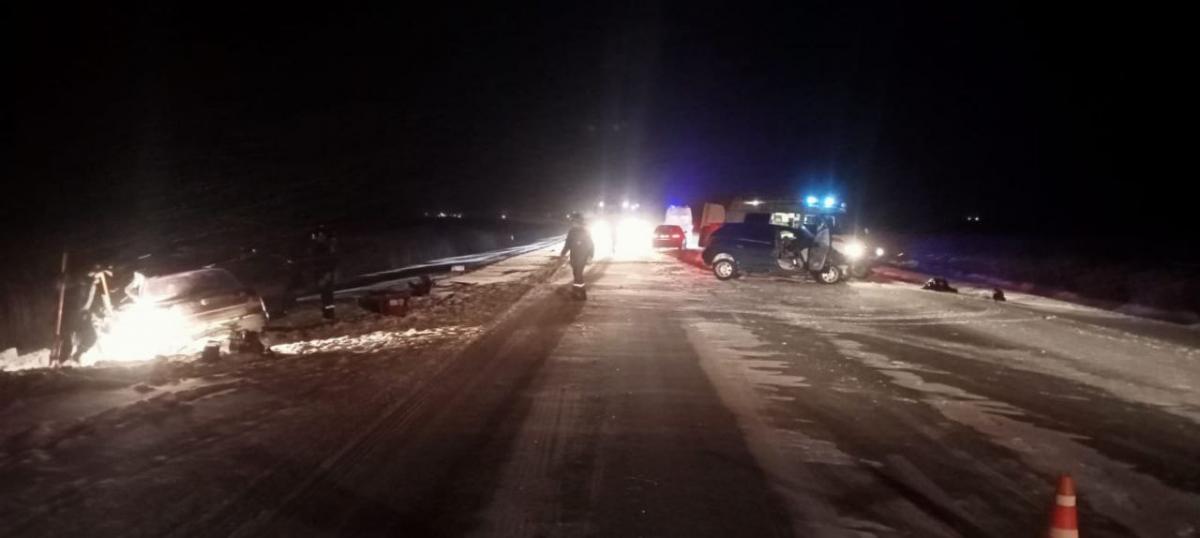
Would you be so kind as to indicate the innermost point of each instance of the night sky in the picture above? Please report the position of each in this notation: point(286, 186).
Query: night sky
point(919, 113)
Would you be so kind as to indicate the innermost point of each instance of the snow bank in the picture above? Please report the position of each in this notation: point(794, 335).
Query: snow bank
point(372, 342)
point(11, 361)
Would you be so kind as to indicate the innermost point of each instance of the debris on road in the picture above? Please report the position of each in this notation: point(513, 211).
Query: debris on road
point(939, 284)
point(386, 302)
point(421, 287)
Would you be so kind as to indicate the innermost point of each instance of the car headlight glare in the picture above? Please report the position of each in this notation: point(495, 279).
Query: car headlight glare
point(855, 250)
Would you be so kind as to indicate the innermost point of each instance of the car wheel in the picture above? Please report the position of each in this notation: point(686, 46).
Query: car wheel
point(724, 269)
point(830, 275)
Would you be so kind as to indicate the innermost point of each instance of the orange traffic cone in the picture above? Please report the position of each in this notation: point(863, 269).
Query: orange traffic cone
point(1064, 522)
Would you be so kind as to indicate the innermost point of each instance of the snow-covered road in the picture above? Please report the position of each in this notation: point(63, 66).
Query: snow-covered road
point(668, 404)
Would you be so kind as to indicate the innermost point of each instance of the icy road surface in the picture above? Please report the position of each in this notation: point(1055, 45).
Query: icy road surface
point(668, 404)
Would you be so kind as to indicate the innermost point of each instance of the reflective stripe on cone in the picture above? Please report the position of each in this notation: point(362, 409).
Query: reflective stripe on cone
point(1064, 521)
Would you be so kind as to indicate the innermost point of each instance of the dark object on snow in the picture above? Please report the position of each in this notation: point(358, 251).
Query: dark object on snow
point(938, 284)
point(998, 295)
point(211, 353)
point(388, 303)
point(421, 287)
point(247, 342)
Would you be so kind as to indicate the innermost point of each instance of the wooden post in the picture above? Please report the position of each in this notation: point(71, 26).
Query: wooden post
point(56, 351)
point(107, 297)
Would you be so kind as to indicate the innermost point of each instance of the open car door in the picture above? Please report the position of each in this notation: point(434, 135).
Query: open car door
point(818, 253)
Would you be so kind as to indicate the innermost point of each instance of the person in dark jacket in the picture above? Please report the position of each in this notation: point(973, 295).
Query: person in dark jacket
point(579, 245)
point(323, 253)
point(79, 333)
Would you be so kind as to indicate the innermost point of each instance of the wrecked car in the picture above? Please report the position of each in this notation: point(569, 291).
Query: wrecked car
point(738, 248)
point(181, 313)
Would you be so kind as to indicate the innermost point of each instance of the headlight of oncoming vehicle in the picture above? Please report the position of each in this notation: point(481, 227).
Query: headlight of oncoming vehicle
point(855, 249)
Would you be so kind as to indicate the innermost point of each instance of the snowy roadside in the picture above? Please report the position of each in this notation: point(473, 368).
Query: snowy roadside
point(457, 306)
point(1139, 276)
point(983, 285)
point(494, 267)
point(97, 438)
point(468, 299)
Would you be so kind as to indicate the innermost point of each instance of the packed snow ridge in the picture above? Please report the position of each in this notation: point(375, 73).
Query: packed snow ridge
point(372, 342)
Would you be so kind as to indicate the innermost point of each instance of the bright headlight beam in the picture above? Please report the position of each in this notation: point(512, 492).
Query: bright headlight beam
point(854, 250)
point(140, 332)
point(601, 238)
point(625, 239)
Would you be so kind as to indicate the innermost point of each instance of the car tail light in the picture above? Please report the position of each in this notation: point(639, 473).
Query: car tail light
point(674, 236)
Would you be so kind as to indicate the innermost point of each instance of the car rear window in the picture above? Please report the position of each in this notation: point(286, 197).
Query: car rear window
point(206, 282)
point(668, 229)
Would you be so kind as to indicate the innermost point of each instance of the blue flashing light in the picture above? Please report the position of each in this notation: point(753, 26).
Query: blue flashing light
point(811, 200)
point(829, 201)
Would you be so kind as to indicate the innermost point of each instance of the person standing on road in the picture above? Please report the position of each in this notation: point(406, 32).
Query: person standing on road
point(323, 253)
point(579, 244)
point(78, 333)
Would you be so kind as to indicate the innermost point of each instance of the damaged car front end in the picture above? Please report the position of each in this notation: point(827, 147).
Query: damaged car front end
point(178, 314)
